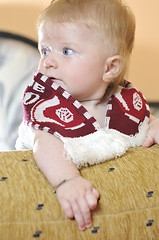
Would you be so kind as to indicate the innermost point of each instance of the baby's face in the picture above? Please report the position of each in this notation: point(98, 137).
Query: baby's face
point(74, 57)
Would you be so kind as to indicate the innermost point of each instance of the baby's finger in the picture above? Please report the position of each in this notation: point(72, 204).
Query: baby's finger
point(91, 199)
point(96, 193)
point(78, 216)
point(85, 211)
point(66, 206)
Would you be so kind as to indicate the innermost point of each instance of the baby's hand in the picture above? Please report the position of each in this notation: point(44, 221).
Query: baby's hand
point(77, 198)
point(153, 133)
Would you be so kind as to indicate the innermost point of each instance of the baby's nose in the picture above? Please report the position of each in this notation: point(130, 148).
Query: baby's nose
point(50, 61)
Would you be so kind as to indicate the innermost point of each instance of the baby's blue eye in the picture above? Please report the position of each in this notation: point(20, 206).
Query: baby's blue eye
point(67, 51)
point(45, 52)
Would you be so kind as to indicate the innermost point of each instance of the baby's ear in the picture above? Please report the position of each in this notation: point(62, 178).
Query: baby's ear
point(113, 68)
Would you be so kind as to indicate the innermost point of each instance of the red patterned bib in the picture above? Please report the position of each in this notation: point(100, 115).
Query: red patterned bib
point(48, 107)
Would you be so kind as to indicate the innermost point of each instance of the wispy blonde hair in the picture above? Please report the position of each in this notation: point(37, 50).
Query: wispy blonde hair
point(111, 20)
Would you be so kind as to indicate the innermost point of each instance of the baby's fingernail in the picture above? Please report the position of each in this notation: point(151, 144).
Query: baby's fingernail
point(89, 225)
point(82, 228)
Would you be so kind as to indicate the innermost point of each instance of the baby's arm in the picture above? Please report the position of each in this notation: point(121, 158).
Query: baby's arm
point(76, 196)
point(153, 133)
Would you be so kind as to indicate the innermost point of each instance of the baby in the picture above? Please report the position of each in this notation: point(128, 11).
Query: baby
point(79, 107)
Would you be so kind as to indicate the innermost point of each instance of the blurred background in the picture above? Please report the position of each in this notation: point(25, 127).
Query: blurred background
point(19, 57)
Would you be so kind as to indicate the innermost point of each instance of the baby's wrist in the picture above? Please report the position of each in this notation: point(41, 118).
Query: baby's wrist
point(64, 181)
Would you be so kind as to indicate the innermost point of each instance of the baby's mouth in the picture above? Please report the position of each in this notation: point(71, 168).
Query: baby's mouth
point(55, 79)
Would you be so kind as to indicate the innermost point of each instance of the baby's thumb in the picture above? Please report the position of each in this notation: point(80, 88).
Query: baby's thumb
point(148, 142)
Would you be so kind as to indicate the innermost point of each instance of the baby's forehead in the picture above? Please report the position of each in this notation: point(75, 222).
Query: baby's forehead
point(66, 31)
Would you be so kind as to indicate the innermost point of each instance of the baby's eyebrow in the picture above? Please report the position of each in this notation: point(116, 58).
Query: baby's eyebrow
point(70, 43)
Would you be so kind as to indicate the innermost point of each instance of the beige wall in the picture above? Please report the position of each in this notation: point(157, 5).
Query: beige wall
point(19, 16)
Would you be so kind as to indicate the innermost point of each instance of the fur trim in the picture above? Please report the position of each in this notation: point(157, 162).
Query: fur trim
point(94, 148)
point(102, 145)
point(25, 138)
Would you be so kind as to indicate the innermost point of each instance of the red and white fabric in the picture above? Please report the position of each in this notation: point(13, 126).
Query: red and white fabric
point(48, 107)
